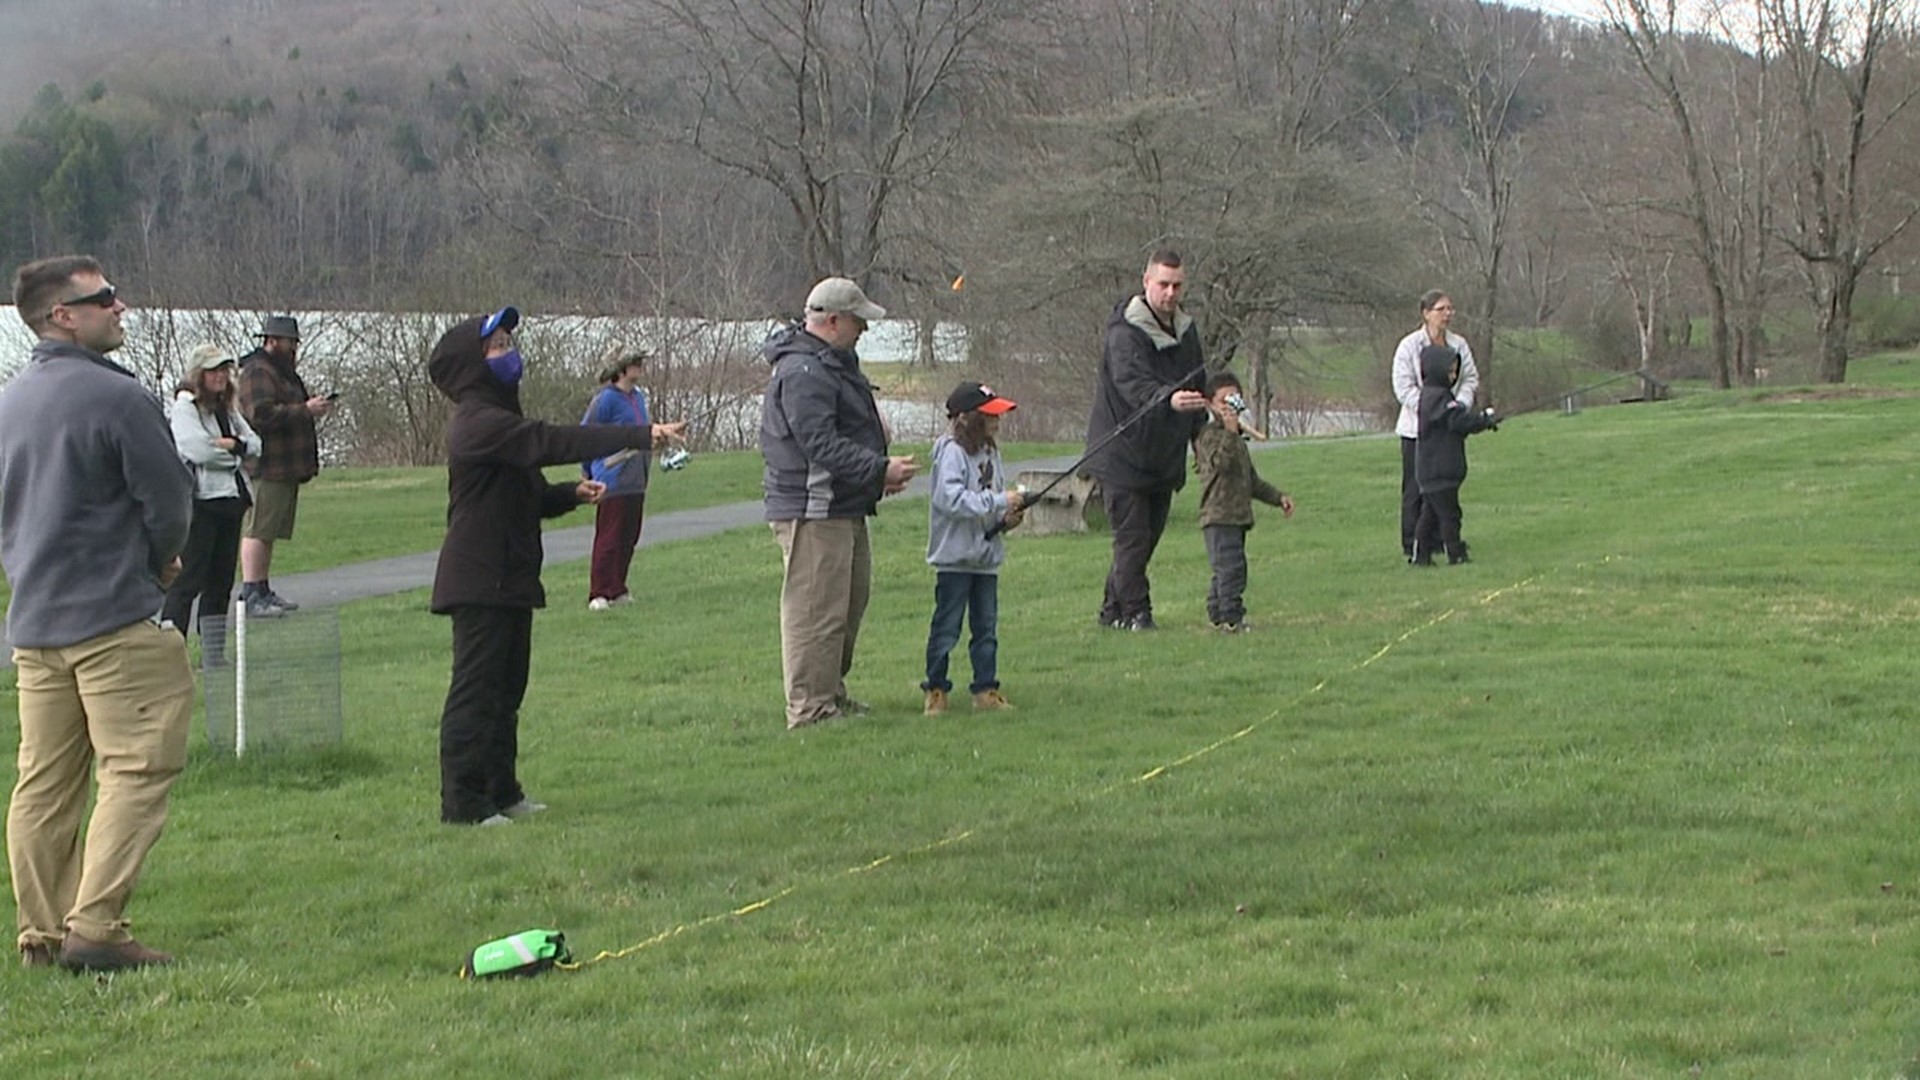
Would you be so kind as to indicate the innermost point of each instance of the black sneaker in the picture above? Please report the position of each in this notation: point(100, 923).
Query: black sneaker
point(1113, 622)
point(1142, 621)
point(281, 602)
point(261, 606)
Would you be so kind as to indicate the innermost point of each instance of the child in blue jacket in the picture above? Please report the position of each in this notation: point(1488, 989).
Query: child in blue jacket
point(969, 497)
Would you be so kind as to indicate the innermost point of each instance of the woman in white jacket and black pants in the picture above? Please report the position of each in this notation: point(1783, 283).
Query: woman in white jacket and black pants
point(1436, 315)
point(214, 440)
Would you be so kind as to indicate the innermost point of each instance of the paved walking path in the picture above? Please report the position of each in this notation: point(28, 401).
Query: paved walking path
point(384, 577)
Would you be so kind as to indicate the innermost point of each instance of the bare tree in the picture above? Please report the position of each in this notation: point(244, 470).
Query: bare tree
point(1543, 273)
point(1483, 55)
point(842, 110)
point(1652, 33)
point(1832, 51)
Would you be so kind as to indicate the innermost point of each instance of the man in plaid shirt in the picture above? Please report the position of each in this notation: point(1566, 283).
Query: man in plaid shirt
point(279, 406)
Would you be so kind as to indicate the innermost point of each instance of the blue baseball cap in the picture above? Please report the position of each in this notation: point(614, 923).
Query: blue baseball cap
point(505, 319)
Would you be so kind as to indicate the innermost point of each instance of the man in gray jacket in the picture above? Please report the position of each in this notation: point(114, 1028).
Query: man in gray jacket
point(827, 469)
point(94, 509)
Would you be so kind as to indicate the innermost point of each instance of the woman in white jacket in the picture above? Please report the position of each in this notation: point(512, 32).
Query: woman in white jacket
point(212, 438)
point(1436, 315)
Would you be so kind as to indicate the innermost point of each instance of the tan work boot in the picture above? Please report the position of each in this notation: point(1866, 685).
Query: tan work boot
point(84, 954)
point(936, 702)
point(990, 699)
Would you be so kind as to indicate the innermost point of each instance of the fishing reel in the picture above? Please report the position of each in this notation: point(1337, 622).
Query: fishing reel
point(675, 459)
point(1239, 406)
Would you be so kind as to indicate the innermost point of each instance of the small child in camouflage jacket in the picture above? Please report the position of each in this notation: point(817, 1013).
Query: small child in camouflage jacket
point(1228, 486)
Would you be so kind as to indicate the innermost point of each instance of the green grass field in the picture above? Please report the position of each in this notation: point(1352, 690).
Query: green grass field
point(1628, 796)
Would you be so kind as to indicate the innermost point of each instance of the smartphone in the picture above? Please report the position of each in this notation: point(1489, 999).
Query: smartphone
point(335, 396)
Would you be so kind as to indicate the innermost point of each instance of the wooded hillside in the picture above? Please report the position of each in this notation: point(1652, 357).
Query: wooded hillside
point(1709, 194)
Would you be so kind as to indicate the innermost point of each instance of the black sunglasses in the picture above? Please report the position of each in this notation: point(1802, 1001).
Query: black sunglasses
point(105, 298)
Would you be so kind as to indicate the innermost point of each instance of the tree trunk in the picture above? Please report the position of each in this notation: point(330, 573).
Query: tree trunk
point(1259, 394)
point(923, 342)
point(1720, 334)
point(1483, 360)
point(1836, 322)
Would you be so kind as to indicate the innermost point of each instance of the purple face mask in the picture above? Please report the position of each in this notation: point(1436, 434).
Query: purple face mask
point(508, 367)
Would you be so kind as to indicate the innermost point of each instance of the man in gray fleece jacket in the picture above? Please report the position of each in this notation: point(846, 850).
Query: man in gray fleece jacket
point(94, 509)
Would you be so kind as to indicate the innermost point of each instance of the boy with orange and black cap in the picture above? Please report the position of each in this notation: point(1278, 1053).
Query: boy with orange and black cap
point(969, 496)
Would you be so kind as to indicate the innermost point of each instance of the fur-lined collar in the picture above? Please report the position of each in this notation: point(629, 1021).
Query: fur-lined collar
point(1142, 316)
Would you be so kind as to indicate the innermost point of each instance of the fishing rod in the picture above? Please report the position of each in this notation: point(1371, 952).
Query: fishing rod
point(1568, 395)
point(1099, 444)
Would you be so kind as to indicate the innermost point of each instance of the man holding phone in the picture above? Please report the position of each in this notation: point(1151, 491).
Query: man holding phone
point(285, 414)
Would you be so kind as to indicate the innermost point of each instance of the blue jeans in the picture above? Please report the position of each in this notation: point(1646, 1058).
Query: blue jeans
point(977, 597)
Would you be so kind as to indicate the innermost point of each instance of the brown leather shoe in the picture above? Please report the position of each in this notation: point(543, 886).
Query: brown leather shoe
point(36, 955)
point(84, 954)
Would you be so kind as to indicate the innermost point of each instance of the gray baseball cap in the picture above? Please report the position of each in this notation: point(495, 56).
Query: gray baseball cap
point(841, 296)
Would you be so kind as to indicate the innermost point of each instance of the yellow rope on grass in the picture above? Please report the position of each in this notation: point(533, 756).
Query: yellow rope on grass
point(1151, 774)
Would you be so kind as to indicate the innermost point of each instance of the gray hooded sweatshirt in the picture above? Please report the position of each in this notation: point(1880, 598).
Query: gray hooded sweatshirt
point(969, 495)
point(93, 501)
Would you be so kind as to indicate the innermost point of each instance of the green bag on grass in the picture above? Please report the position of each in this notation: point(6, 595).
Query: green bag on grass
point(527, 953)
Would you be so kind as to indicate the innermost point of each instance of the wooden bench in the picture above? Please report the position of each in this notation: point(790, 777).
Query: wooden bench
point(1073, 506)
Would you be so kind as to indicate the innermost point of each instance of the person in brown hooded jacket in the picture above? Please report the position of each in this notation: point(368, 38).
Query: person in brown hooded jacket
point(488, 578)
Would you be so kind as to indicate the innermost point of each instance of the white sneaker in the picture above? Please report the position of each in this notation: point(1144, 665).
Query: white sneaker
point(599, 603)
point(623, 598)
point(523, 808)
point(497, 819)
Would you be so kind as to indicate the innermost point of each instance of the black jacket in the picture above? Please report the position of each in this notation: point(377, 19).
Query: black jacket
point(820, 432)
point(1440, 454)
point(1140, 363)
point(496, 494)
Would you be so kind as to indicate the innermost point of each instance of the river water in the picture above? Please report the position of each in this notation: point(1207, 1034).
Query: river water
point(336, 344)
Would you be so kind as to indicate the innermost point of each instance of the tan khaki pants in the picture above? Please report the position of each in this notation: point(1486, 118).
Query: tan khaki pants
point(123, 703)
point(829, 573)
